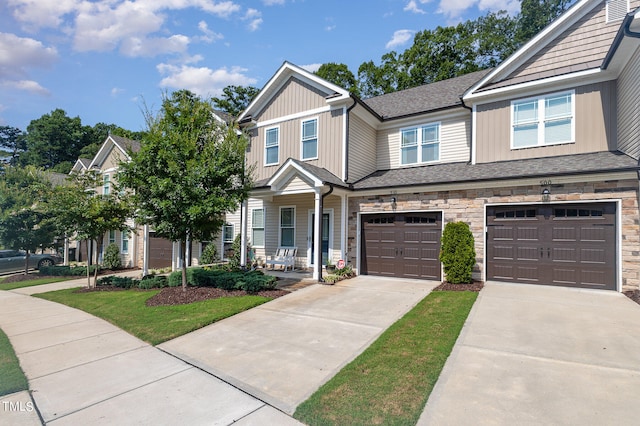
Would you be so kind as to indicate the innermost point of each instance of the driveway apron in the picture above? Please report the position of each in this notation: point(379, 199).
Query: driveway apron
point(284, 350)
point(542, 355)
point(83, 370)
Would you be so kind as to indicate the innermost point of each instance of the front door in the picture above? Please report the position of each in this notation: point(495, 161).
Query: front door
point(326, 232)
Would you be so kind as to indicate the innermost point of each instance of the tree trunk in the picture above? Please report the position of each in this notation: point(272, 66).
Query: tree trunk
point(26, 263)
point(95, 272)
point(88, 263)
point(183, 257)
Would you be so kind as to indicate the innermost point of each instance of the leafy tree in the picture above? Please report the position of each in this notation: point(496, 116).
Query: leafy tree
point(24, 218)
point(188, 173)
point(457, 253)
point(77, 208)
point(235, 99)
point(112, 257)
point(389, 77)
point(12, 142)
point(340, 75)
point(537, 14)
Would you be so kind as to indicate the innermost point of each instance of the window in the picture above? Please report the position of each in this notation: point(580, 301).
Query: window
point(112, 237)
point(125, 242)
point(272, 142)
point(420, 144)
point(106, 189)
point(542, 121)
point(257, 227)
point(227, 232)
point(287, 226)
point(310, 139)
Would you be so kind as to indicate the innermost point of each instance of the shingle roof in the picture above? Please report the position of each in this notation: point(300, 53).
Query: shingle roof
point(597, 162)
point(429, 97)
point(321, 173)
point(126, 143)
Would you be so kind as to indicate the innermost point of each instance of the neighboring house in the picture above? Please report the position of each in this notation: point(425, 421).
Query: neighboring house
point(539, 156)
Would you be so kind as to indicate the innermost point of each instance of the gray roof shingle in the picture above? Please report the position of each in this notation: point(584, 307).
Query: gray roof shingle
point(429, 97)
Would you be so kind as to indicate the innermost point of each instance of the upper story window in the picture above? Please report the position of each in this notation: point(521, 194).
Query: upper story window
point(420, 144)
point(545, 120)
point(310, 139)
point(272, 146)
point(106, 185)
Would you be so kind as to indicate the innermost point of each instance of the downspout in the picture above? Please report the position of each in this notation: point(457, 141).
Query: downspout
point(470, 130)
point(346, 149)
point(319, 236)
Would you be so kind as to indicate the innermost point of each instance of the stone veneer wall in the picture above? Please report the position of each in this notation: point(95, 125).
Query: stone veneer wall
point(468, 206)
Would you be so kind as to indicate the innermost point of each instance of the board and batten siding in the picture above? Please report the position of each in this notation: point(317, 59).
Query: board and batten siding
point(595, 125)
point(330, 141)
point(629, 107)
point(585, 43)
point(294, 96)
point(362, 148)
point(455, 135)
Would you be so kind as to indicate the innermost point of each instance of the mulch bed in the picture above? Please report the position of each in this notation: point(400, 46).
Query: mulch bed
point(176, 296)
point(474, 286)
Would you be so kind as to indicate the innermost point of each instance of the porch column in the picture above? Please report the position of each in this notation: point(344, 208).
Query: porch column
point(243, 233)
point(317, 232)
point(343, 227)
point(145, 250)
point(66, 251)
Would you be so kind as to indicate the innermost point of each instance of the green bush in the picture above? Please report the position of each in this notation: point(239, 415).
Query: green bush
point(152, 281)
point(457, 253)
point(227, 280)
point(255, 281)
point(234, 259)
point(209, 254)
point(112, 257)
point(67, 271)
point(196, 277)
point(121, 282)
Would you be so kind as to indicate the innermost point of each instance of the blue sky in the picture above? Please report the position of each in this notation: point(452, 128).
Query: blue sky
point(104, 60)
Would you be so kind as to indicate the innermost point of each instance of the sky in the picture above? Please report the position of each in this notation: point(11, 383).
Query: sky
point(107, 61)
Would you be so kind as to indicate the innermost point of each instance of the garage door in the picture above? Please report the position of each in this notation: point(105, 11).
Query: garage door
point(160, 252)
point(560, 244)
point(402, 245)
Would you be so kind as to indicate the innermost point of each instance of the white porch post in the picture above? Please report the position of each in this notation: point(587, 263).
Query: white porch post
point(317, 242)
point(187, 257)
point(343, 227)
point(243, 233)
point(66, 251)
point(145, 250)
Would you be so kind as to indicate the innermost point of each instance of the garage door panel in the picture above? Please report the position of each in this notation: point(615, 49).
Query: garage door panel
point(565, 244)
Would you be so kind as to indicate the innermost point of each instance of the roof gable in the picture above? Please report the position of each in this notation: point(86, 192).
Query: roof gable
point(123, 145)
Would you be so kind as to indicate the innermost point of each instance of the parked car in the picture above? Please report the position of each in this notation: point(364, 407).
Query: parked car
point(13, 260)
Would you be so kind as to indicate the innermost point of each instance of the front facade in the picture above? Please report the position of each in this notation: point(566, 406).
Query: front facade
point(539, 156)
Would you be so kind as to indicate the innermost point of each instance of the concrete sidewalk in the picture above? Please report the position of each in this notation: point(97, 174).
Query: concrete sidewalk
point(78, 282)
point(83, 370)
point(286, 349)
point(532, 355)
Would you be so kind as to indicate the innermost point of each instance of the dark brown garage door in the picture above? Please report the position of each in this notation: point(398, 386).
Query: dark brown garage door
point(160, 252)
point(402, 245)
point(560, 244)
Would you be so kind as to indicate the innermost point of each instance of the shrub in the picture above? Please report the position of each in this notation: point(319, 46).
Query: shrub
point(227, 280)
point(152, 281)
point(67, 271)
point(122, 282)
point(209, 254)
point(255, 281)
point(457, 252)
point(112, 257)
point(195, 276)
point(234, 259)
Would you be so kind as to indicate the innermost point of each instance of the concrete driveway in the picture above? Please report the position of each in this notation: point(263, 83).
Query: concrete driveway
point(284, 350)
point(531, 355)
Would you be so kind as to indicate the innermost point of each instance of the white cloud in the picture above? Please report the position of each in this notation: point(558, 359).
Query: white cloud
point(453, 9)
point(19, 53)
point(272, 2)
point(209, 36)
point(26, 86)
point(203, 81)
point(254, 17)
point(413, 7)
point(153, 46)
point(116, 91)
point(42, 14)
point(311, 67)
point(399, 38)
point(511, 6)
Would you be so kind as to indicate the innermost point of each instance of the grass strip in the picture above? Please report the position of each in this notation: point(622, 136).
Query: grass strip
point(153, 324)
point(390, 382)
point(12, 379)
point(30, 283)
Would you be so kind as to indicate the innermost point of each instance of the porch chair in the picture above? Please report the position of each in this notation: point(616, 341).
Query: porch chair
point(285, 256)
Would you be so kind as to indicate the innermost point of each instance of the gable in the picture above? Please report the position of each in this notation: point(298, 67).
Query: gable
point(293, 97)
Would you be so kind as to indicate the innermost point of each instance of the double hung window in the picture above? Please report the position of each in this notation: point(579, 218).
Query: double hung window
point(420, 144)
point(546, 120)
point(310, 139)
point(257, 228)
point(272, 146)
point(287, 226)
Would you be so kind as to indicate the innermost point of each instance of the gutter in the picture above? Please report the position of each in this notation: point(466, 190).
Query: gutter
point(623, 32)
point(470, 129)
point(319, 236)
point(346, 151)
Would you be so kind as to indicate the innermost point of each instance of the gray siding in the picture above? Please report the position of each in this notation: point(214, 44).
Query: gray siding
point(362, 148)
point(629, 107)
point(293, 97)
point(595, 127)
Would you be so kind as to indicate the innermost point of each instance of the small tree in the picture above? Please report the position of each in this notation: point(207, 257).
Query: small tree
point(457, 253)
point(112, 257)
point(188, 173)
point(209, 254)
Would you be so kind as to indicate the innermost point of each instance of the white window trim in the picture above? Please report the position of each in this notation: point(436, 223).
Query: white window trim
point(280, 225)
point(122, 240)
point(114, 237)
point(541, 108)
point(265, 146)
point(419, 143)
point(233, 232)
point(264, 222)
point(302, 138)
point(106, 183)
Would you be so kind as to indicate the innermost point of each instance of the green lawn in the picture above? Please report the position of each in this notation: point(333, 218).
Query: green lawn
point(127, 310)
point(35, 281)
point(12, 378)
point(390, 382)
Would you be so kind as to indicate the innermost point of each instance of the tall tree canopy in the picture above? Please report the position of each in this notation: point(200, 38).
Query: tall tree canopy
point(12, 143)
point(235, 99)
point(339, 74)
point(188, 173)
